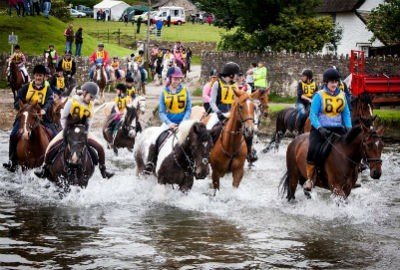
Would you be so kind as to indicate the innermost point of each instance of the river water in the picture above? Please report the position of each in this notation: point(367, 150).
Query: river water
point(131, 223)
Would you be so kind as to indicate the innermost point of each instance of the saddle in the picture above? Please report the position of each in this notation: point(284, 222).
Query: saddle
point(162, 138)
point(58, 148)
point(324, 150)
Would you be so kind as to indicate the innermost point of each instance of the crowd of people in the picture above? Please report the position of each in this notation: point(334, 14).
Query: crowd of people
point(29, 7)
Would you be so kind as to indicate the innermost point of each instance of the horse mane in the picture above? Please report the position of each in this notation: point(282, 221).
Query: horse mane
point(184, 130)
point(353, 133)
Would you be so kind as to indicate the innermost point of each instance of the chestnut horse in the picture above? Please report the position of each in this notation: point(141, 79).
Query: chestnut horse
point(16, 78)
point(55, 112)
point(33, 141)
point(230, 150)
point(100, 78)
point(339, 170)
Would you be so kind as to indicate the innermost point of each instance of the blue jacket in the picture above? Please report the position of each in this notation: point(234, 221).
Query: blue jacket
point(320, 119)
point(168, 117)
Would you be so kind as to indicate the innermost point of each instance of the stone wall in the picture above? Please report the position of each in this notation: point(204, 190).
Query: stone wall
point(196, 47)
point(284, 70)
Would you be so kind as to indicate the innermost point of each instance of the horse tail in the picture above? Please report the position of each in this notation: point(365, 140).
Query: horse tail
point(284, 185)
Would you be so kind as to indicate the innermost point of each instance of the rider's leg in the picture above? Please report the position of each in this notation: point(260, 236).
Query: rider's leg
point(142, 75)
point(12, 151)
point(301, 112)
point(51, 152)
point(314, 142)
point(92, 141)
point(25, 72)
point(152, 156)
point(91, 72)
point(212, 121)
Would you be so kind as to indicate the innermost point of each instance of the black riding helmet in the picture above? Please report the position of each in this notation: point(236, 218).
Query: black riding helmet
point(121, 87)
point(39, 69)
point(308, 73)
point(213, 72)
point(129, 79)
point(17, 47)
point(91, 88)
point(230, 69)
point(331, 74)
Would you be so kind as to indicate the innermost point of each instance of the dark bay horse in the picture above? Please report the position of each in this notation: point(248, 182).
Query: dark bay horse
point(339, 170)
point(16, 78)
point(157, 67)
point(126, 131)
point(48, 62)
point(230, 150)
point(33, 137)
point(73, 163)
point(100, 78)
point(70, 84)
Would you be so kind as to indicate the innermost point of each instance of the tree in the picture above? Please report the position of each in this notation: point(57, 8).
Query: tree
point(384, 22)
point(272, 24)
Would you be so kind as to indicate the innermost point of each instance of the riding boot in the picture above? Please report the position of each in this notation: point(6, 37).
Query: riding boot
point(104, 172)
point(251, 152)
point(151, 160)
point(215, 132)
point(310, 170)
point(44, 172)
point(12, 164)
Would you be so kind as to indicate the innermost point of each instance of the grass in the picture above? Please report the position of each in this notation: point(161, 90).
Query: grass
point(198, 92)
point(273, 97)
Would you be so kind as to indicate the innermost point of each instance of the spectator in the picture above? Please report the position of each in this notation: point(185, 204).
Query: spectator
point(188, 58)
point(169, 20)
point(46, 7)
point(209, 19)
point(138, 24)
point(78, 42)
point(159, 25)
point(126, 19)
point(193, 18)
point(98, 15)
point(69, 37)
point(36, 7)
point(12, 4)
point(249, 76)
point(21, 8)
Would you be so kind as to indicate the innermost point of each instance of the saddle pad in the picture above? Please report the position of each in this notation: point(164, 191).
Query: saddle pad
point(324, 150)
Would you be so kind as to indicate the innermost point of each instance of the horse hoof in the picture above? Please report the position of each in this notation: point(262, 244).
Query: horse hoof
point(307, 192)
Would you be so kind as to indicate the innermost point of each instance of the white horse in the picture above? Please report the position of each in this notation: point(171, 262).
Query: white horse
point(133, 67)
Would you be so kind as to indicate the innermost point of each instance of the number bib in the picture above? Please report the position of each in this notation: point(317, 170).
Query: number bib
point(131, 91)
point(66, 65)
point(36, 96)
point(175, 103)
point(332, 105)
point(309, 89)
point(60, 83)
point(121, 102)
point(81, 110)
point(227, 92)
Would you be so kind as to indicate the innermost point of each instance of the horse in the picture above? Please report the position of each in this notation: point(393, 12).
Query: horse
point(48, 62)
point(55, 112)
point(100, 78)
point(33, 137)
point(126, 130)
point(133, 67)
point(338, 172)
point(16, 78)
point(70, 84)
point(183, 156)
point(157, 68)
point(230, 150)
point(113, 77)
point(73, 164)
point(362, 109)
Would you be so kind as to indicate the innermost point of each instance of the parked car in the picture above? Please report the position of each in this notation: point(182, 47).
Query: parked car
point(177, 15)
point(87, 10)
point(77, 14)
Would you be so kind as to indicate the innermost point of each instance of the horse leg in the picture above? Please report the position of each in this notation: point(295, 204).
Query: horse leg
point(279, 136)
point(268, 147)
point(237, 176)
point(215, 180)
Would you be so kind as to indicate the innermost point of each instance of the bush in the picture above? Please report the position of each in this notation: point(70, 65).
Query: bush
point(60, 10)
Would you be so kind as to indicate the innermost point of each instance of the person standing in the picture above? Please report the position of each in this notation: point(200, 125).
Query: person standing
point(12, 4)
point(207, 90)
point(260, 77)
point(249, 76)
point(21, 8)
point(69, 37)
point(138, 24)
point(78, 42)
point(159, 25)
point(46, 7)
point(36, 7)
point(169, 20)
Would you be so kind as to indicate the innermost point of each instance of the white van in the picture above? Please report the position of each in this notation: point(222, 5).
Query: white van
point(177, 15)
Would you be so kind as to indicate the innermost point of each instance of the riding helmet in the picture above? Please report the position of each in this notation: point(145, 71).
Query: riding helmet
point(121, 87)
point(51, 45)
point(213, 72)
point(177, 73)
point(100, 45)
point(230, 69)
point(68, 52)
point(91, 88)
point(129, 79)
point(39, 69)
point(308, 73)
point(331, 74)
point(17, 47)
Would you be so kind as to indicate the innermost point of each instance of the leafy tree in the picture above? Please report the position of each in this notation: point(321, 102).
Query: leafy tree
point(60, 11)
point(384, 22)
point(272, 24)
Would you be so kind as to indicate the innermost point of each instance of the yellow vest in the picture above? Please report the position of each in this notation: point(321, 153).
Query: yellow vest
point(81, 110)
point(66, 65)
point(60, 83)
point(130, 91)
point(138, 59)
point(36, 96)
point(227, 92)
point(115, 64)
point(333, 105)
point(100, 54)
point(308, 89)
point(17, 57)
point(121, 102)
point(175, 103)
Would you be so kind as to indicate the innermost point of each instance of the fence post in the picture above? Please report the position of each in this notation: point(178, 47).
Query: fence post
point(108, 36)
point(119, 36)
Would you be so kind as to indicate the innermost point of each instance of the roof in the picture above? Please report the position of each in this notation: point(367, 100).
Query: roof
point(141, 8)
point(335, 6)
point(109, 4)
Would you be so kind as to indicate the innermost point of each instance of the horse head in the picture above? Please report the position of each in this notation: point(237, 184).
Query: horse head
point(198, 144)
point(372, 150)
point(140, 104)
point(29, 116)
point(75, 136)
point(55, 113)
point(244, 109)
point(130, 126)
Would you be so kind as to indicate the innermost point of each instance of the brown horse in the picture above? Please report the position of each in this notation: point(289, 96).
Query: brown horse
point(339, 171)
point(230, 150)
point(16, 78)
point(100, 78)
point(55, 112)
point(48, 62)
point(34, 139)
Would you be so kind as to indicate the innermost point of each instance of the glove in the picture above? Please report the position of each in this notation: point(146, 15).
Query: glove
point(324, 132)
point(42, 112)
point(221, 117)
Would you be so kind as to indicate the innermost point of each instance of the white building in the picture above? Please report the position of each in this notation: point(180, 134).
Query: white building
point(113, 9)
point(350, 15)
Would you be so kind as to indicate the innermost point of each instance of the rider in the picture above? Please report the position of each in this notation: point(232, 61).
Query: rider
point(130, 88)
point(343, 87)
point(207, 90)
point(174, 107)
point(57, 82)
point(81, 106)
point(115, 67)
point(19, 59)
point(222, 96)
point(100, 56)
point(53, 54)
point(68, 65)
point(306, 89)
point(119, 108)
point(329, 111)
point(38, 92)
point(140, 61)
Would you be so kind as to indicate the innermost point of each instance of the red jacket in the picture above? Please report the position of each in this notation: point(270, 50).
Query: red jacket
point(94, 56)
